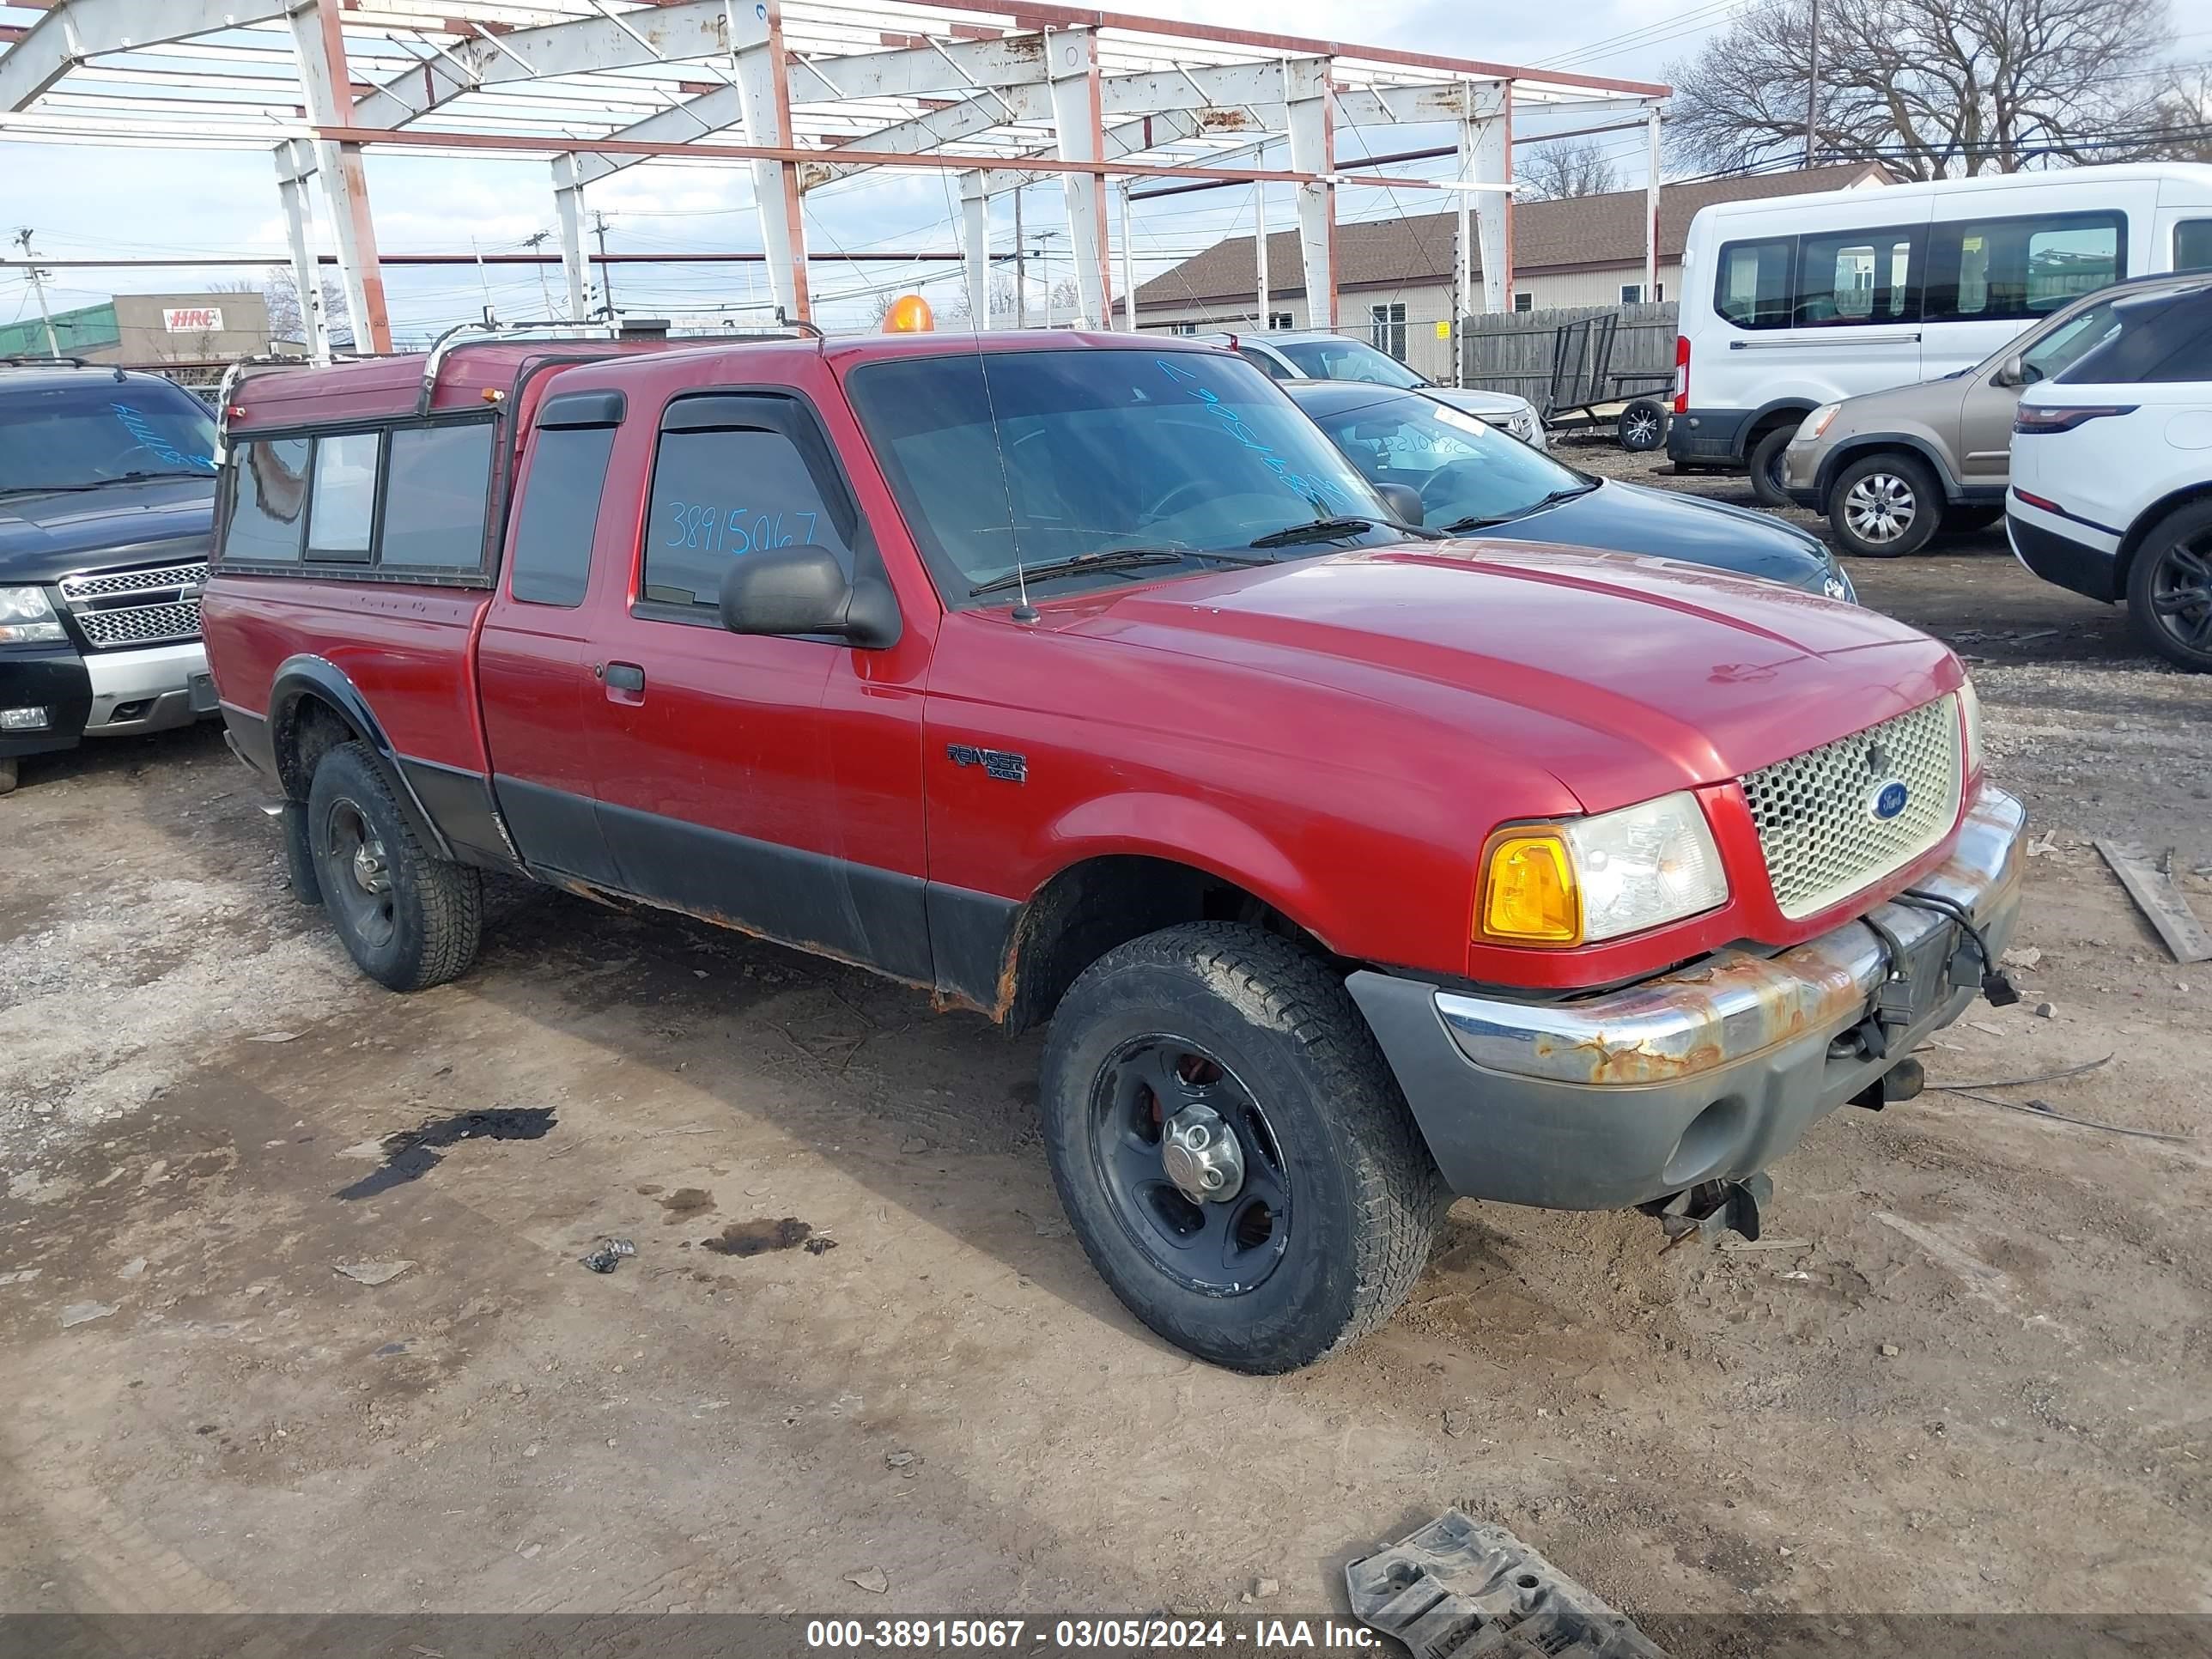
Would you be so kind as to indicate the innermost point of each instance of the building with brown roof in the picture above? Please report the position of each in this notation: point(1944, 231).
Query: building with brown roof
point(1395, 276)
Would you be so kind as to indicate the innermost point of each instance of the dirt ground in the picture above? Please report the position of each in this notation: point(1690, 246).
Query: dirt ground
point(1966, 1372)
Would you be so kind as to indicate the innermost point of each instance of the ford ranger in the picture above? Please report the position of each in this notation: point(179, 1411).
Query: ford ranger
point(1077, 678)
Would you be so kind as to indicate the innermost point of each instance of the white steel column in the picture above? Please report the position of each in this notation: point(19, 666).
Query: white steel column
point(1071, 57)
point(320, 43)
point(1485, 140)
point(763, 88)
point(295, 165)
point(1651, 213)
point(1313, 150)
point(976, 212)
point(568, 206)
point(1128, 264)
point(1259, 238)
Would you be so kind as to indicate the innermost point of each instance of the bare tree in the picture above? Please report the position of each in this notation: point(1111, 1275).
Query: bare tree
point(1551, 172)
point(1932, 89)
point(281, 295)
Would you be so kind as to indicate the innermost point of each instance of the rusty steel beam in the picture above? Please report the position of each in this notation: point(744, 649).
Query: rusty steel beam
point(538, 143)
point(1027, 16)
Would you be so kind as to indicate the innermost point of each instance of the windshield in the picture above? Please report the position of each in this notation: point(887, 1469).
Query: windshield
point(2074, 337)
point(1059, 455)
point(1463, 467)
point(83, 434)
point(1347, 360)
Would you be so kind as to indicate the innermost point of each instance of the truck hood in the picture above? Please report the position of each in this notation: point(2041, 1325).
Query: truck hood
point(1624, 675)
point(46, 536)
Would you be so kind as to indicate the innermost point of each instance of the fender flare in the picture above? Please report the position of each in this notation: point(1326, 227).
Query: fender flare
point(305, 675)
point(1848, 450)
point(1764, 412)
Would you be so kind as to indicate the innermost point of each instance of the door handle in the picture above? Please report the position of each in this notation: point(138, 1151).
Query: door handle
point(623, 676)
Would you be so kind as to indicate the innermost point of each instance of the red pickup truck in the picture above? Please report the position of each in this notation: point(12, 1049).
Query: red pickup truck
point(1077, 678)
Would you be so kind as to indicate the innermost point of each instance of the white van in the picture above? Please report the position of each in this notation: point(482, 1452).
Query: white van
point(1793, 301)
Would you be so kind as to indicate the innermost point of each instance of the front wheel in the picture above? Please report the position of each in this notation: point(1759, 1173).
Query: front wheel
point(2170, 588)
point(409, 919)
point(1231, 1149)
point(1884, 506)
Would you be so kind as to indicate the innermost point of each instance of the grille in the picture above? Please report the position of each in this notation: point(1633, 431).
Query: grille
point(100, 601)
point(1816, 812)
point(142, 624)
point(106, 582)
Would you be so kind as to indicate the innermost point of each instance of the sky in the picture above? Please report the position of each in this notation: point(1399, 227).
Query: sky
point(88, 201)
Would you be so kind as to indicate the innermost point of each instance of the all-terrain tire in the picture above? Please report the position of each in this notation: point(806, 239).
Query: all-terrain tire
point(1364, 1197)
point(434, 915)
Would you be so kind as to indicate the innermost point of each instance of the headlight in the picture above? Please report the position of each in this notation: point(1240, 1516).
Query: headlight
point(1838, 585)
point(1596, 879)
point(1970, 717)
point(26, 618)
point(1817, 422)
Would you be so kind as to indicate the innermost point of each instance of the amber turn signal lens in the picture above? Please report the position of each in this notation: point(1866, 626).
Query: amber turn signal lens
point(1528, 892)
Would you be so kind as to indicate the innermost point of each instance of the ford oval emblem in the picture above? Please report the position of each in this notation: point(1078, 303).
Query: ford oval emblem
point(1888, 799)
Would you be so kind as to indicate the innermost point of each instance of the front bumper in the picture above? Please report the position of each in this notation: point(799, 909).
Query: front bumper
point(1708, 1074)
point(48, 676)
point(148, 690)
point(1801, 472)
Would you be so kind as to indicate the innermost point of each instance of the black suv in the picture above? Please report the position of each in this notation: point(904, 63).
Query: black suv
point(107, 504)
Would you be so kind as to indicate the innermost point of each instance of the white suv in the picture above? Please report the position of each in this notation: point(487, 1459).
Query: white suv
point(1313, 354)
point(2112, 472)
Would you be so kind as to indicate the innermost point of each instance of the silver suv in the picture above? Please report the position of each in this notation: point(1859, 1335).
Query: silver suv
point(1314, 354)
point(1890, 469)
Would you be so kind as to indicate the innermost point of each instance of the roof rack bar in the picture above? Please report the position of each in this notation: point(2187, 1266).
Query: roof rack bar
point(463, 334)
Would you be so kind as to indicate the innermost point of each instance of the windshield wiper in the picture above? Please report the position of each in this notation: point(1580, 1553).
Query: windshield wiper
point(1112, 558)
point(1480, 521)
point(140, 478)
point(1314, 530)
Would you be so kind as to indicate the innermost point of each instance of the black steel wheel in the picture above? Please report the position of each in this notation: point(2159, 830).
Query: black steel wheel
point(1642, 425)
point(408, 918)
point(2170, 588)
point(1232, 1147)
point(1191, 1165)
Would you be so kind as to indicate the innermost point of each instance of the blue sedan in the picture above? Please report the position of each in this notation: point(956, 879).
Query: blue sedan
point(1473, 480)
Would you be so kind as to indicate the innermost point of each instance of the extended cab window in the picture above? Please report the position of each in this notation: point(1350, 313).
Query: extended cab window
point(436, 479)
point(268, 502)
point(560, 513)
point(722, 490)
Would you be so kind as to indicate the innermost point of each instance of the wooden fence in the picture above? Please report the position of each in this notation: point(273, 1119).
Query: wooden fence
point(1511, 351)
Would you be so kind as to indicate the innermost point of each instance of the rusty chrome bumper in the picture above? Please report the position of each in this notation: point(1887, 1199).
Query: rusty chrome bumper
point(1708, 1072)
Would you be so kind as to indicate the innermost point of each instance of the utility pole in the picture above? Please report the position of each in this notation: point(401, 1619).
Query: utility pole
point(1021, 279)
point(606, 270)
point(23, 240)
point(1813, 87)
point(533, 243)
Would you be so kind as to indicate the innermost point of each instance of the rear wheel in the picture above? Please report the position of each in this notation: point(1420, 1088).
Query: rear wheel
point(1766, 466)
point(1231, 1148)
point(1642, 425)
point(2170, 588)
point(409, 919)
point(1884, 506)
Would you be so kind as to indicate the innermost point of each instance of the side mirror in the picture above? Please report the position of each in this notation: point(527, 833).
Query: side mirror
point(1403, 500)
point(2012, 371)
point(804, 589)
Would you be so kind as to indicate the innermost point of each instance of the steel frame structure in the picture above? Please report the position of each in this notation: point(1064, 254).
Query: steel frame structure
point(816, 91)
